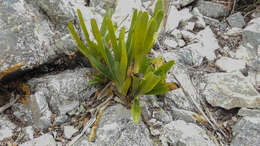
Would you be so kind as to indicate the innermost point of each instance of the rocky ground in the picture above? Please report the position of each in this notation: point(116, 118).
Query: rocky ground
point(45, 98)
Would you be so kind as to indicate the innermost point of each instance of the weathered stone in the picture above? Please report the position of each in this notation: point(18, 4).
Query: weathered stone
point(187, 35)
point(236, 20)
point(251, 33)
point(69, 131)
point(212, 9)
point(171, 42)
point(207, 43)
point(245, 52)
point(44, 140)
point(249, 112)
point(124, 11)
point(22, 112)
point(177, 99)
point(246, 132)
point(117, 128)
point(230, 90)
point(175, 17)
point(26, 35)
point(186, 134)
point(6, 127)
point(57, 94)
point(230, 65)
point(28, 131)
point(189, 56)
point(179, 114)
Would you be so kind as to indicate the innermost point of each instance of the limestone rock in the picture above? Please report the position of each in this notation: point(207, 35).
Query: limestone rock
point(230, 90)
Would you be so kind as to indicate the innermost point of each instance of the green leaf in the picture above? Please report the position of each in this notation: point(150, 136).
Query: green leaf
point(158, 6)
point(149, 82)
point(159, 17)
point(136, 110)
point(141, 28)
point(149, 39)
point(123, 61)
point(126, 86)
point(163, 69)
point(81, 47)
point(98, 38)
point(100, 67)
point(160, 88)
point(135, 85)
point(83, 26)
point(113, 38)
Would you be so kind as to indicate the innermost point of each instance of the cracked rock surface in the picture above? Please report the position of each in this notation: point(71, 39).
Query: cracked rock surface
point(216, 69)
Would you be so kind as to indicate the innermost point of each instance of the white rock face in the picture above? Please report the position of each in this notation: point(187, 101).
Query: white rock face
point(124, 11)
point(44, 140)
point(230, 90)
point(207, 43)
point(185, 134)
point(229, 64)
point(175, 17)
point(69, 131)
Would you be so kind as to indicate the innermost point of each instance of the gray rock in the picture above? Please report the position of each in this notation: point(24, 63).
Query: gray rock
point(117, 128)
point(177, 99)
point(211, 9)
point(44, 140)
point(187, 35)
point(207, 44)
point(28, 131)
point(26, 35)
point(69, 131)
point(246, 132)
point(6, 127)
point(236, 20)
point(251, 33)
point(230, 65)
point(59, 11)
point(181, 3)
point(171, 42)
point(104, 4)
point(249, 112)
point(124, 10)
point(179, 114)
point(181, 133)
point(22, 112)
point(230, 90)
point(189, 56)
point(57, 94)
point(245, 52)
point(175, 17)
point(220, 26)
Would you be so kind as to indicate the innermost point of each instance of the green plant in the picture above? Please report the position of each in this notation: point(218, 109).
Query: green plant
point(129, 68)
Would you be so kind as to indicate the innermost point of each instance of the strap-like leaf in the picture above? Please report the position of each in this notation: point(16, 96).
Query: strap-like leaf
point(113, 38)
point(149, 39)
point(100, 67)
point(158, 6)
point(163, 69)
point(159, 17)
point(98, 38)
point(149, 82)
point(141, 27)
point(126, 86)
point(83, 26)
point(159, 89)
point(130, 33)
point(136, 110)
point(123, 61)
point(83, 49)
